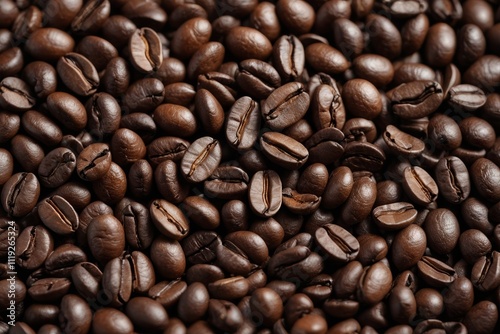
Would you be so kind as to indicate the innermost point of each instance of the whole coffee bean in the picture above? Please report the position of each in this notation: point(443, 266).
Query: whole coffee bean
point(362, 197)
point(348, 38)
point(265, 193)
point(484, 174)
point(402, 304)
point(361, 98)
point(415, 99)
point(193, 303)
point(481, 318)
point(112, 186)
point(210, 112)
point(475, 215)
point(34, 245)
point(267, 305)
point(146, 314)
point(201, 212)
point(224, 315)
point(444, 132)
point(435, 272)
point(327, 107)
point(166, 148)
point(12, 62)
point(27, 152)
point(143, 95)
point(48, 290)
point(168, 257)
point(68, 110)
point(93, 162)
point(324, 58)
point(49, 44)
point(248, 43)
point(201, 159)
point(275, 108)
point(108, 319)
point(103, 114)
point(190, 36)
point(243, 123)
point(483, 73)
point(20, 194)
point(442, 230)
point(226, 182)
point(363, 156)
point(441, 44)
point(419, 185)
point(167, 293)
point(169, 219)
point(257, 78)
point(466, 97)
point(402, 143)
point(229, 288)
point(145, 50)
point(98, 50)
point(208, 58)
point(453, 180)
point(376, 69)
point(16, 95)
point(61, 262)
point(372, 248)
point(374, 283)
point(283, 150)
point(338, 188)
point(116, 78)
point(127, 147)
point(41, 128)
point(385, 38)
point(338, 243)
point(473, 244)
point(91, 17)
point(106, 238)
point(394, 216)
point(408, 246)
point(56, 167)
point(58, 215)
point(86, 278)
point(222, 87)
point(299, 203)
point(295, 264)
point(486, 272)
point(78, 74)
point(175, 120)
point(11, 124)
point(289, 57)
point(75, 316)
point(6, 166)
point(458, 298)
point(477, 132)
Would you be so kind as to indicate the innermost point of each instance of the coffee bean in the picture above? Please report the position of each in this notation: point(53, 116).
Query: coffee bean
point(419, 185)
point(415, 99)
point(257, 78)
point(93, 162)
point(34, 245)
point(78, 74)
point(145, 50)
point(400, 142)
point(15, 94)
point(201, 159)
point(169, 219)
point(453, 180)
point(58, 215)
point(338, 243)
point(283, 150)
point(435, 273)
point(20, 194)
point(394, 216)
point(265, 193)
point(48, 44)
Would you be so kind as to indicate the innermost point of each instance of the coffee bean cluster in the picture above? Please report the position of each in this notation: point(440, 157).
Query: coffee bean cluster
point(222, 166)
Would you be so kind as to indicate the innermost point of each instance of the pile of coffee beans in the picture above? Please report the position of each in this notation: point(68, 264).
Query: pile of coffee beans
point(244, 166)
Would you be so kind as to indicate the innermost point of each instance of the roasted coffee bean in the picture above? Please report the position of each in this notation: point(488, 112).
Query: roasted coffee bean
point(243, 123)
point(363, 156)
point(299, 203)
point(175, 120)
point(41, 128)
point(295, 264)
point(362, 197)
point(201, 159)
point(93, 162)
point(408, 246)
point(167, 293)
point(75, 314)
point(108, 319)
point(116, 78)
point(452, 178)
point(185, 43)
point(265, 193)
point(283, 150)
point(327, 107)
point(16, 95)
point(348, 37)
point(143, 95)
point(91, 16)
point(145, 50)
point(34, 245)
point(56, 167)
point(139, 232)
point(86, 278)
point(166, 148)
point(58, 215)
point(485, 273)
point(126, 147)
point(435, 273)
point(338, 243)
point(374, 283)
point(415, 99)
point(78, 74)
point(275, 108)
point(106, 238)
point(68, 110)
point(20, 194)
point(402, 143)
point(466, 97)
point(226, 182)
point(112, 186)
point(385, 38)
point(169, 219)
point(168, 257)
point(48, 44)
point(289, 57)
point(394, 216)
point(484, 174)
point(473, 244)
point(419, 185)
point(103, 115)
point(257, 78)
point(325, 140)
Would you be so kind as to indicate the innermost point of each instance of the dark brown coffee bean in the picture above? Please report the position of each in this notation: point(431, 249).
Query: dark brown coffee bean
point(338, 188)
point(435, 273)
point(169, 219)
point(91, 16)
point(16, 95)
point(248, 43)
point(324, 58)
point(402, 143)
point(58, 215)
point(299, 203)
point(78, 74)
point(48, 44)
point(190, 36)
point(452, 178)
point(408, 246)
point(283, 150)
point(394, 216)
point(93, 162)
point(415, 99)
point(210, 112)
point(34, 245)
point(208, 58)
point(484, 174)
point(106, 238)
point(338, 243)
point(419, 185)
point(20, 194)
point(168, 257)
point(374, 283)
point(289, 57)
point(201, 159)
point(68, 110)
point(145, 50)
point(175, 120)
point(257, 78)
point(56, 167)
point(111, 188)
